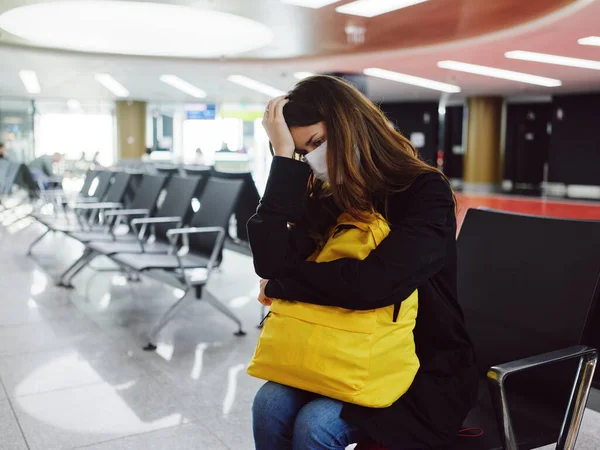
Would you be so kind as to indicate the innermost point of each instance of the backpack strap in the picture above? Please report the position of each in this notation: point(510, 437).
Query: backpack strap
point(396, 311)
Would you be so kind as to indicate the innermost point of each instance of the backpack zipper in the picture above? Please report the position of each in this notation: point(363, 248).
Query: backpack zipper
point(263, 321)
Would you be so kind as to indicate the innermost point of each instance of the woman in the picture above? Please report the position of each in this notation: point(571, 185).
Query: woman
point(371, 167)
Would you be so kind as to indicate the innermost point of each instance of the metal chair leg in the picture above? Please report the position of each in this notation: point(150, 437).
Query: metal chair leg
point(225, 310)
point(576, 408)
point(164, 320)
point(66, 277)
point(34, 243)
point(133, 276)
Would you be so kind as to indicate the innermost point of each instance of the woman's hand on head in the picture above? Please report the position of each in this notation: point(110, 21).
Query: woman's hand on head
point(262, 298)
point(276, 128)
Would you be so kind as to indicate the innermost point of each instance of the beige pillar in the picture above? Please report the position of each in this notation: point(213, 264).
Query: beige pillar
point(131, 129)
point(483, 158)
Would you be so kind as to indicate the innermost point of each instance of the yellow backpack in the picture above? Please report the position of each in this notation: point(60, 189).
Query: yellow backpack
point(361, 357)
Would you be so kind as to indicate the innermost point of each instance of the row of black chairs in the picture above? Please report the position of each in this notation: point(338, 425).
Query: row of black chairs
point(175, 224)
point(247, 204)
point(529, 288)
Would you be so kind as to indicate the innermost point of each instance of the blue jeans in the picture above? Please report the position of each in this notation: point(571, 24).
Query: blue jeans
point(285, 418)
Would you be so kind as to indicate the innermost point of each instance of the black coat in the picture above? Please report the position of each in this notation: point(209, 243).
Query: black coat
point(419, 253)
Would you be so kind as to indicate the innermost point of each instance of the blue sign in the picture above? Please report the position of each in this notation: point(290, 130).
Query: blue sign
point(201, 111)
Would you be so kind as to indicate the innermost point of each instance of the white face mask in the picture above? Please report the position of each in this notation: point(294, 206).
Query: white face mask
point(317, 160)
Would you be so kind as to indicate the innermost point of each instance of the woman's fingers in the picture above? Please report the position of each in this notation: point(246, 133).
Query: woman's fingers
point(262, 298)
point(279, 108)
point(265, 301)
point(277, 129)
point(272, 108)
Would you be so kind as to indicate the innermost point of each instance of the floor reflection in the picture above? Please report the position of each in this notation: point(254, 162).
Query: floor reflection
point(232, 383)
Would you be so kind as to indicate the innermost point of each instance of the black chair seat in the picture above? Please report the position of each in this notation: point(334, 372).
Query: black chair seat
point(59, 220)
point(129, 246)
point(535, 425)
point(64, 226)
point(167, 262)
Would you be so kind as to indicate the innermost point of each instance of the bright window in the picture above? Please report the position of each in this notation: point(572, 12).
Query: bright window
point(209, 135)
point(71, 134)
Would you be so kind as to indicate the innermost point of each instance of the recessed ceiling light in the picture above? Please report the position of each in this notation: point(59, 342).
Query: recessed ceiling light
point(302, 75)
point(30, 81)
point(255, 85)
point(499, 73)
point(183, 85)
point(372, 8)
point(310, 3)
point(590, 40)
point(412, 80)
point(112, 85)
point(135, 28)
point(553, 59)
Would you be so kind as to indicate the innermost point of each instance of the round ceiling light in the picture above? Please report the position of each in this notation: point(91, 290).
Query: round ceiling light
point(135, 28)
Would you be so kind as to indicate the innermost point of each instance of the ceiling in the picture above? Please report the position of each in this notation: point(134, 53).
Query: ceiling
point(410, 41)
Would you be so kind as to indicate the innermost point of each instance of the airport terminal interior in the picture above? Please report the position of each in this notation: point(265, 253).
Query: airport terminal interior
point(133, 153)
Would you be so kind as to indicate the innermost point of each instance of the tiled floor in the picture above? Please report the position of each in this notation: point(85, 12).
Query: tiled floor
point(73, 373)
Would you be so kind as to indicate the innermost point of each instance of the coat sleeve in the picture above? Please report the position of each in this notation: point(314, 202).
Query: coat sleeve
point(276, 247)
point(413, 252)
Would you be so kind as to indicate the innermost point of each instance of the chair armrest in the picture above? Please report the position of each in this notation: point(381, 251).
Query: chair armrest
point(127, 212)
point(151, 221)
point(58, 192)
point(83, 200)
point(101, 205)
point(498, 374)
point(155, 220)
point(588, 359)
point(173, 233)
point(194, 230)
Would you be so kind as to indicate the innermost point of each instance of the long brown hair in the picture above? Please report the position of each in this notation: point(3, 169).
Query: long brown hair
point(367, 158)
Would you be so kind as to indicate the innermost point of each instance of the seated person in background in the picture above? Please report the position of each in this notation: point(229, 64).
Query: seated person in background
point(147, 154)
point(95, 160)
point(199, 158)
point(225, 147)
point(42, 168)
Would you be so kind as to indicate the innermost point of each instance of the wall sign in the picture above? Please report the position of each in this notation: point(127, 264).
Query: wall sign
point(200, 111)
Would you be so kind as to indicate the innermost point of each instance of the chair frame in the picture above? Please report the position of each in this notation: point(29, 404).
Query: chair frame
point(179, 279)
point(497, 375)
point(89, 254)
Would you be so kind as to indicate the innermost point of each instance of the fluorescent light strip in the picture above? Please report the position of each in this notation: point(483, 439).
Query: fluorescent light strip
point(30, 81)
point(255, 85)
point(372, 8)
point(183, 86)
point(553, 59)
point(499, 73)
point(316, 4)
point(590, 40)
point(302, 75)
point(412, 80)
point(112, 85)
